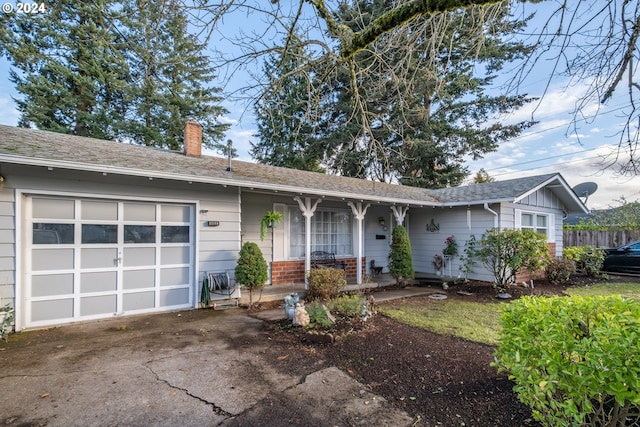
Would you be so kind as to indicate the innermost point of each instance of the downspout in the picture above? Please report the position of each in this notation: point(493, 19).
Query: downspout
point(495, 219)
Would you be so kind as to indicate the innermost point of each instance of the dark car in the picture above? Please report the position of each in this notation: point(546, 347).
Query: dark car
point(626, 258)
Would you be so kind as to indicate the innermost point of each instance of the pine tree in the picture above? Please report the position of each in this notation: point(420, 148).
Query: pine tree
point(125, 70)
point(69, 67)
point(284, 124)
point(425, 138)
point(171, 78)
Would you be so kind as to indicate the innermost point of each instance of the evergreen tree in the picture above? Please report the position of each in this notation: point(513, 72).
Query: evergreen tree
point(252, 270)
point(70, 69)
point(284, 125)
point(425, 138)
point(171, 77)
point(125, 70)
point(400, 256)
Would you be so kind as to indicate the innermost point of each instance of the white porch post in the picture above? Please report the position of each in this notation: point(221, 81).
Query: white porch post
point(307, 210)
point(359, 212)
point(399, 212)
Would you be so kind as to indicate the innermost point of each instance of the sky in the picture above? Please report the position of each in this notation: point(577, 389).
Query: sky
point(549, 146)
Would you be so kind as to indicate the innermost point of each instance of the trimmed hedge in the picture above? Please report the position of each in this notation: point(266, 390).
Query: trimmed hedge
point(575, 360)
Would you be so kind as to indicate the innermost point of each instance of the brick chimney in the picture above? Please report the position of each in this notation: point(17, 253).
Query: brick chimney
point(192, 139)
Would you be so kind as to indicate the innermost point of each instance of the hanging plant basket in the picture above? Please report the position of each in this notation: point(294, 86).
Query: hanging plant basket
point(269, 220)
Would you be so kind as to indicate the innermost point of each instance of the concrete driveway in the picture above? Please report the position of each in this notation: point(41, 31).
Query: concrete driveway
point(200, 367)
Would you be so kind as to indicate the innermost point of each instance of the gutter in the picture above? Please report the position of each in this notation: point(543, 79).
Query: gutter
point(230, 182)
point(496, 223)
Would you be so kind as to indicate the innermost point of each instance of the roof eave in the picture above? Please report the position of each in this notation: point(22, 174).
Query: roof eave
point(230, 182)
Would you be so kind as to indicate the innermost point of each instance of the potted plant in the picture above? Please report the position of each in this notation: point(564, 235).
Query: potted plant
point(269, 220)
point(451, 248)
point(251, 270)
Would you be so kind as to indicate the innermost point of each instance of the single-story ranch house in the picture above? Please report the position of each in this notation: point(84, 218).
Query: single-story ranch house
point(91, 229)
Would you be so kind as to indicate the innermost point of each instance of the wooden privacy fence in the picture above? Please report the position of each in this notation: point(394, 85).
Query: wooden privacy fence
point(599, 239)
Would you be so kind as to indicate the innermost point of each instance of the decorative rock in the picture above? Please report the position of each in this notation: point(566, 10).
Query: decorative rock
point(503, 295)
point(438, 296)
point(301, 317)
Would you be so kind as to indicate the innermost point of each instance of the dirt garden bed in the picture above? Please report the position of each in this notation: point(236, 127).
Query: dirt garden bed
point(440, 380)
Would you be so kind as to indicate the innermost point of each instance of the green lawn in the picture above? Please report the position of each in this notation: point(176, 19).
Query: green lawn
point(628, 290)
point(480, 322)
point(474, 321)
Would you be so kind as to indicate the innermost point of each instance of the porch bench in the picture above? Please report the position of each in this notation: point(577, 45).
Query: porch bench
point(322, 259)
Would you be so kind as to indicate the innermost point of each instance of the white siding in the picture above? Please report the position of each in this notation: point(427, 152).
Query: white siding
point(7, 244)
point(377, 249)
point(450, 221)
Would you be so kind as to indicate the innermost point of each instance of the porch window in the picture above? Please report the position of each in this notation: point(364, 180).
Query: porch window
point(331, 231)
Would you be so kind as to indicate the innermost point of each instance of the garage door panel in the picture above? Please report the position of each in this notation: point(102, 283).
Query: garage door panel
point(103, 281)
point(52, 259)
point(139, 212)
point(52, 285)
point(175, 255)
point(139, 257)
point(99, 210)
point(92, 306)
point(171, 297)
point(53, 208)
point(136, 279)
point(51, 310)
point(92, 258)
point(98, 257)
point(174, 276)
point(139, 301)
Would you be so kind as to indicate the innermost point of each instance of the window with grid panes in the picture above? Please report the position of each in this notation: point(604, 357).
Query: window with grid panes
point(331, 231)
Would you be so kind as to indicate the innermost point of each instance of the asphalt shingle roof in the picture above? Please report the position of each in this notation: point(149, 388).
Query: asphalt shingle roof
point(30, 146)
point(95, 154)
point(491, 191)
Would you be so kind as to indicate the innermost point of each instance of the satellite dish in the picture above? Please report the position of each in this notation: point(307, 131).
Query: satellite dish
point(585, 189)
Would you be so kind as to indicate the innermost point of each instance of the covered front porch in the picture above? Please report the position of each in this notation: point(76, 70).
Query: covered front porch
point(383, 282)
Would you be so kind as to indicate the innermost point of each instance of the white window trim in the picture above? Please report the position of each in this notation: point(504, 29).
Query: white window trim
point(551, 225)
point(326, 209)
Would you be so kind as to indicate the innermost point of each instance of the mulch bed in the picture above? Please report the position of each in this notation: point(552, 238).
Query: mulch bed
point(439, 380)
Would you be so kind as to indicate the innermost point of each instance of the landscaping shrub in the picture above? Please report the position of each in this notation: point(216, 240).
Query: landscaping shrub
point(347, 305)
point(317, 315)
point(400, 257)
point(505, 253)
point(251, 270)
point(574, 360)
point(559, 270)
point(325, 283)
point(588, 259)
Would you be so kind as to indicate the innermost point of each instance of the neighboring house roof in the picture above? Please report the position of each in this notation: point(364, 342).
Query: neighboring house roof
point(49, 149)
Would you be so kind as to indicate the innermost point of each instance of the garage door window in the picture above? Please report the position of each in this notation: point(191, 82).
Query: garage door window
point(52, 234)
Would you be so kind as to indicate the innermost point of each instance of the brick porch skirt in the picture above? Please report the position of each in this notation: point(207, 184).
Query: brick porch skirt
point(289, 272)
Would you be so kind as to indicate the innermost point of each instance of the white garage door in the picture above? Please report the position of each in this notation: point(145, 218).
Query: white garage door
point(90, 259)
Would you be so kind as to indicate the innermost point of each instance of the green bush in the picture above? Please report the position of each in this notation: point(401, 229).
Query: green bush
point(347, 305)
point(588, 259)
point(400, 257)
point(559, 270)
point(251, 270)
point(325, 283)
point(505, 253)
point(574, 360)
point(317, 315)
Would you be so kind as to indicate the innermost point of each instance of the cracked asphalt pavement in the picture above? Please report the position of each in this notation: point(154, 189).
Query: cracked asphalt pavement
point(199, 367)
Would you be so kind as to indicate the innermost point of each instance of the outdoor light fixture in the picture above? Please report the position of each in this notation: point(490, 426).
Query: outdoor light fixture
point(381, 221)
